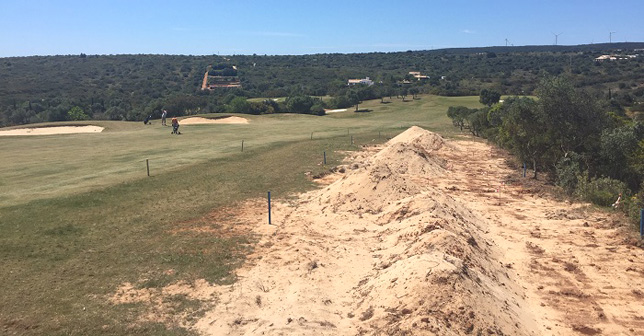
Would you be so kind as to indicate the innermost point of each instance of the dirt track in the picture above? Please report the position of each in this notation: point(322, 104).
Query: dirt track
point(427, 237)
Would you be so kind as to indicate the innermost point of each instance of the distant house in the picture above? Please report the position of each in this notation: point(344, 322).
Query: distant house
point(606, 58)
point(365, 81)
point(614, 57)
point(418, 75)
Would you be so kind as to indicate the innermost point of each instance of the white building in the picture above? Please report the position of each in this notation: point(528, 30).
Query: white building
point(418, 75)
point(365, 81)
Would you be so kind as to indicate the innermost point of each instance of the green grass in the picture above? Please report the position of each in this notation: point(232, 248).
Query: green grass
point(79, 216)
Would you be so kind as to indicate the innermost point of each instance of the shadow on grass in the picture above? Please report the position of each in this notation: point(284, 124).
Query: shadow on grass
point(363, 110)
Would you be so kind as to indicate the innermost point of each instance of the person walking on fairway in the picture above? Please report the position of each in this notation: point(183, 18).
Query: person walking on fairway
point(163, 115)
point(175, 126)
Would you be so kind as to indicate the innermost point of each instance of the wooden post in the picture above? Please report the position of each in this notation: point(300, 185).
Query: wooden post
point(147, 164)
point(242, 145)
point(641, 223)
point(269, 208)
point(324, 157)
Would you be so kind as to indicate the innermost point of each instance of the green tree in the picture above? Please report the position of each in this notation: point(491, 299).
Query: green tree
point(299, 104)
point(618, 146)
point(478, 121)
point(524, 131)
point(403, 92)
point(573, 119)
point(459, 115)
point(239, 105)
point(489, 97)
point(413, 91)
point(77, 113)
point(353, 98)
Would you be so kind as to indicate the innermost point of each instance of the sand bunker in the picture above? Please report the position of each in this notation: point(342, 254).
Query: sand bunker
point(201, 121)
point(52, 130)
point(335, 111)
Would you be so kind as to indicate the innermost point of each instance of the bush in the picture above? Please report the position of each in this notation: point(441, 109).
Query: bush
point(568, 170)
point(631, 205)
point(317, 109)
point(602, 191)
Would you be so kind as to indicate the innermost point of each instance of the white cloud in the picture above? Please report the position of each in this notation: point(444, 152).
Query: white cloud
point(467, 31)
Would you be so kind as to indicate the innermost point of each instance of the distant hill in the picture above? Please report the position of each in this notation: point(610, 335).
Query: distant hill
point(596, 47)
point(130, 87)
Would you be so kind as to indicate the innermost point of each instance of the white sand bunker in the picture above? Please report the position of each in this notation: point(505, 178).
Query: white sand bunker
point(335, 111)
point(200, 121)
point(52, 130)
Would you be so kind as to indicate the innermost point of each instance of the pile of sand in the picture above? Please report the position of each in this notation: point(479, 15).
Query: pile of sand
point(52, 130)
point(422, 238)
point(380, 252)
point(201, 121)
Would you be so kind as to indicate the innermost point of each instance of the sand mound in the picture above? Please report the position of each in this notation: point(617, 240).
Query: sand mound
point(200, 121)
point(422, 238)
point(398, 171)
point(52, 130)
point(382, 251)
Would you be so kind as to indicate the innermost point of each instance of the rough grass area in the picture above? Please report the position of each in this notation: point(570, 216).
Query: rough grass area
point(79, 216)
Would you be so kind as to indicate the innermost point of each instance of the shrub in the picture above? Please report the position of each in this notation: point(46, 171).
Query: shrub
point(568, 170)
point(317, 109)
point(602, 191)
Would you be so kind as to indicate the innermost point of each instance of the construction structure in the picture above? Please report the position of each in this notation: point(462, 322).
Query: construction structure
point(221, 77)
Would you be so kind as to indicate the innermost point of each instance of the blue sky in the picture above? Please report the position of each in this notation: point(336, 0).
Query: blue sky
point(206, 27)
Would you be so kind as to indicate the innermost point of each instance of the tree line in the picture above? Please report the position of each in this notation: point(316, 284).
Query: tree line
point(131, 87)
point(585, 142)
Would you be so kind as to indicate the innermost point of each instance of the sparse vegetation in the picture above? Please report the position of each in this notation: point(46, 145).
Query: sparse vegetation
point(585, 143)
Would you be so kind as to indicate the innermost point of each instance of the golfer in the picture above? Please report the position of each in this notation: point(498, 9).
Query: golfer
point(163, 115)
point(175, 126)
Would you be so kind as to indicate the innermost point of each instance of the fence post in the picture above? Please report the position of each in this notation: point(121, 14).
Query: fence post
point(641, 223)
point(147, 164)
point(269, 208)
point(325, 158)
point(242, 145)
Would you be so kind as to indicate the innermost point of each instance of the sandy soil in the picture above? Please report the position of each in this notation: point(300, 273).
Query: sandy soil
point(424, 237)
point(200, 121)
point(52, 130)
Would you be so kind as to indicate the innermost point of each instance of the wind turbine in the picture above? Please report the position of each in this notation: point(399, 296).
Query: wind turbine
point(556, 37)
point(610, 36)
point(506, 42)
